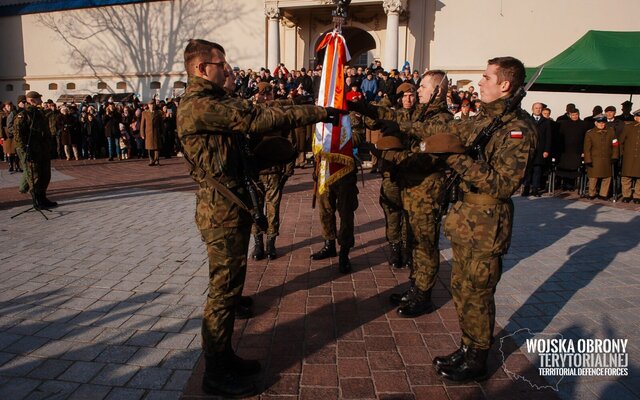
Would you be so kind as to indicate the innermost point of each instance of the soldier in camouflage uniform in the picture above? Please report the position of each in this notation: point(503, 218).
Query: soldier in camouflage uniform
point(421, 181)
point(271, 180)
point(209, 121)
point(32, 141)
point(479, 224)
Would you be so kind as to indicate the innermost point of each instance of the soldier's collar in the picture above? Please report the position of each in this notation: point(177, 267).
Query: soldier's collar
point(197, 84)
point(496, 107)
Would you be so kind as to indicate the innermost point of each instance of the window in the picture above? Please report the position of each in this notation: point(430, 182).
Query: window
point(154, 85)
point(102, 85)
point(9, 88)
point(179, 85)
point(71, 86)
point(26, 86)
point(121, 85)
point(53, 86)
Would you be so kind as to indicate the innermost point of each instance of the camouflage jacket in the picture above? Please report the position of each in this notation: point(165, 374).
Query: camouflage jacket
point(207, 120)
point(413, 165)
point(31, 121)
point(487, 228)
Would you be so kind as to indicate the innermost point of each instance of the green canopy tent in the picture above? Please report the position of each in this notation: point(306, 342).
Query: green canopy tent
point(599, 62)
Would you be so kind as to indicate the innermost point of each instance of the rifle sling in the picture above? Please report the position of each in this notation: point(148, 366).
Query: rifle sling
point(223, 190)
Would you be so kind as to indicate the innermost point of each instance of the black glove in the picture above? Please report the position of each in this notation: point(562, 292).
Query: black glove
point(614, 161)
point(388, 127)
point(361, 107)
point(334, 115)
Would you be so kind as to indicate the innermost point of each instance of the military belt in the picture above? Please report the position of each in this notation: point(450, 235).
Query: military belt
point(480, 199)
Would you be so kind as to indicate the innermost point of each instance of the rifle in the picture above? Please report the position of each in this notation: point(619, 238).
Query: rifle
point(256, 211)
point(450, 192)
point(316, 167)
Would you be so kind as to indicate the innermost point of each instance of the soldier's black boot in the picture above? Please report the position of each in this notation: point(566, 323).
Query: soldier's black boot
point(407, 255)
point(418, 303)
point(452, 360)
point(329, 250)
point(397, 299)
point(258, 251)
point(222, 379)
point(271, 248)
point(344, 264)
point(396, 255)
point(46, 203)
point(472, 368)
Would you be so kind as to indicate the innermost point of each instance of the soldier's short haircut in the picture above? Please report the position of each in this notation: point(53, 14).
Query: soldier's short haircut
point(436, 76)
point(509, 69)
point(198, 49)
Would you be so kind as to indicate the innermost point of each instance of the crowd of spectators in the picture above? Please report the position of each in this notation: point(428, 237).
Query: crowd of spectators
point(114, 130)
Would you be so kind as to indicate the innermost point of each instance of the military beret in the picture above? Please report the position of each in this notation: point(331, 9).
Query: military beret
point(627, 103)
point(442, 143)
point(636, 113)
point(600, 118)
point(22, 99)
point(264, 87)
point(405, 87)
point(610, 108)
point(389, 143)
point(272, 150)
point(33, 95)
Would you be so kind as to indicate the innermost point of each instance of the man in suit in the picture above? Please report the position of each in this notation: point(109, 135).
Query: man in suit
point(533, 180)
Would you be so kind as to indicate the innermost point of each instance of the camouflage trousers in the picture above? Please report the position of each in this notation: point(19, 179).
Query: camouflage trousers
point(419, 203)
point(396, 219)
point(37, 172)
point(474, 278)
point(227, 249)
point(342, 197)
point(271, 189)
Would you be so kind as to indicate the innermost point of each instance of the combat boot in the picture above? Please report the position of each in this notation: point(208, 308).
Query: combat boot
point(222, 379)
point(271, 248)
point(243, 308)
point(344, 265)
point(329, 250)
point(452, 360)
point(396, 255)
point(258, 251)
point(46, 203)
point(407, 255)
point(473, 367)
point(241, 366)
point(418, 303)
point(397, 299)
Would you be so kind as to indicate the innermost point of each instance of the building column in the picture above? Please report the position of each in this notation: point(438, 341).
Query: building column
point(273, 37)
point(393, 9)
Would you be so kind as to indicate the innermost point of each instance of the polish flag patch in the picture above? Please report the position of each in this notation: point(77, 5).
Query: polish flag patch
point(515, 134)
point(615, 142)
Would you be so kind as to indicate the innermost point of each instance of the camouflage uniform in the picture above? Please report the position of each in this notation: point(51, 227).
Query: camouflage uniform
point(30, 128)
point(341, 196)
point(479, 226)
point(421, 181)
point(207, 121)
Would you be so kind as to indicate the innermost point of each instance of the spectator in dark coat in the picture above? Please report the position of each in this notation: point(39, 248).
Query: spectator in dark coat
point(533, 179)
point(571, 140)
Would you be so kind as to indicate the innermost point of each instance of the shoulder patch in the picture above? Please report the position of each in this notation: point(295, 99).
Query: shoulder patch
point(515, 134)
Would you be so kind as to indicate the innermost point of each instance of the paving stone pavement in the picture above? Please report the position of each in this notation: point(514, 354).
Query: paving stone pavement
point(104, 300)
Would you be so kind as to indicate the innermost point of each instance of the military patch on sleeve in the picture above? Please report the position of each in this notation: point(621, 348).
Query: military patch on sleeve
point(515, 134)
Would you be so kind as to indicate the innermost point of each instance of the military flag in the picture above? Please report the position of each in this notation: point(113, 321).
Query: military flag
point(332, 144)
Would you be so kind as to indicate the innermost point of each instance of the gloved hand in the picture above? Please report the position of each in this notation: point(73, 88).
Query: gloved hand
point(388, 128)
point(334, 115)
point(362, 107)
point(614, 161)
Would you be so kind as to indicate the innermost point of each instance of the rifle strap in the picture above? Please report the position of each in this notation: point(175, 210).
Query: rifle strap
point(223, 190)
